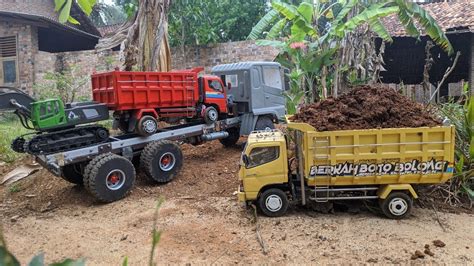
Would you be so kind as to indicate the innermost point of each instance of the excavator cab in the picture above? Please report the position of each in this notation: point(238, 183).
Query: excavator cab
point(48, 113)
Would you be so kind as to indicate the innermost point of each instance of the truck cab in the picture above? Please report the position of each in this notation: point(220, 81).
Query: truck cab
point(254, 92)
point(214, 95)
point(264, 167)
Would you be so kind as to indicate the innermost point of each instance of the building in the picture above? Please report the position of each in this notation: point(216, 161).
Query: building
point(29, 28)
point(405, 57)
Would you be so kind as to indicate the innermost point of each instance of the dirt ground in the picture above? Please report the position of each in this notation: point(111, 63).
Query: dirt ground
point(203, 223)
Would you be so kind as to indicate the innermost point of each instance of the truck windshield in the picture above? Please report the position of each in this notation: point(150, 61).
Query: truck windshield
point(215, 85)
point(262, 155)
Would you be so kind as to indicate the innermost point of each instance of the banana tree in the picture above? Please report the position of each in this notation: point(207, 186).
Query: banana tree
point(143, 39)
point(63, 7)
point(330, 32)
point(462, 117)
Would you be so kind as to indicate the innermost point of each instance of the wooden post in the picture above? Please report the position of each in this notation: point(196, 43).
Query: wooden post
point(300, 159)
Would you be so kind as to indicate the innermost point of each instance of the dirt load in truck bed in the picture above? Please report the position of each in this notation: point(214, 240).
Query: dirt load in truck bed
point(364, 108)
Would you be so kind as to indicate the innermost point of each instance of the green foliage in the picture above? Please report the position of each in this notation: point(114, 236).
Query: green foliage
point(260, 27)
point(410, 12)
point(10, 128)
point(312, 36)
point(130, 7)
point(8, 259)
point(201, 22)
point(104, 14)
point(63, 7)
point(155, 233)
point(14, 188)
point(37, 260)
point(294, 96)
point(462, 117)
point(64, 85)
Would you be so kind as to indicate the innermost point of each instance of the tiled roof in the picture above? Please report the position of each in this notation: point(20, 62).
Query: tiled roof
point(45, 9)
point(452, 16)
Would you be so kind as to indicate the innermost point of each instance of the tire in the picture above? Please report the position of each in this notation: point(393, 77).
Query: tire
point(273, 202)
point(231, 140)
point(397, 205)
point(109, 177)
point(211, 115)
point(264, 123)
point(73, 174)
point(147, 125)
point(161, 160)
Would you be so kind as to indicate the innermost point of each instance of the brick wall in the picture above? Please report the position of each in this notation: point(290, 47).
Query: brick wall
point(27, 47)
point(82, 64)
point(86, 62)
point(221, 53)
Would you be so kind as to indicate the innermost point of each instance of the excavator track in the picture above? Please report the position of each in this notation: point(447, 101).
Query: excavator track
point(63, 140)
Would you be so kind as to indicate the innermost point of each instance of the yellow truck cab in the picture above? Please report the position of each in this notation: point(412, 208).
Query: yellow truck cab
point(264, 165)
point(372, 164)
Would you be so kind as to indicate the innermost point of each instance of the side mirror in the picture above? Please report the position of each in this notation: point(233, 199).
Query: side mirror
point(245, 159)
point(229, 86)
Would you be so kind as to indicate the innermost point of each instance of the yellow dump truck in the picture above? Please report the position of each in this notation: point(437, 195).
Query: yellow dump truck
point(371, 164)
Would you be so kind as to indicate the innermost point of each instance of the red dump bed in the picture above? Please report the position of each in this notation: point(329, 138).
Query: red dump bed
point(128, 90)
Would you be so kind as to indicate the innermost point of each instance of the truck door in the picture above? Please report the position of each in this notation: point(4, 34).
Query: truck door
point(265, 164)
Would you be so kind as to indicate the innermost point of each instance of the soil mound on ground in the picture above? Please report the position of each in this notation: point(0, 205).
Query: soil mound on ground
point(364, 108)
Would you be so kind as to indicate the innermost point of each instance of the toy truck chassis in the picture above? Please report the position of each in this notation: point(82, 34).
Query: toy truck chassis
point(106, 169)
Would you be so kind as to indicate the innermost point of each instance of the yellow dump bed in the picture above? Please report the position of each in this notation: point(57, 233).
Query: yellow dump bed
point(377, 156)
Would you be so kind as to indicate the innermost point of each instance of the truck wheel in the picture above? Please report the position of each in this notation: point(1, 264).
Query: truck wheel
point(108, 177)
point(397, 205)
point(211, 115)
point(264, 123)
point(231, 140)
point(161, 160)
point(147, 125)
point(273, 202)
point(73, 174)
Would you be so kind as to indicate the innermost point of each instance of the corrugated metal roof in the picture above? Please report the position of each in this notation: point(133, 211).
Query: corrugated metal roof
point(451, 16)
point(242, 66)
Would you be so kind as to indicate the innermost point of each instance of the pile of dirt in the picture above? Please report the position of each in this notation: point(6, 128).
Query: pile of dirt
point(364, 108)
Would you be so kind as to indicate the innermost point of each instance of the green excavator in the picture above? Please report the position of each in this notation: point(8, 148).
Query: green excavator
point(58, 127)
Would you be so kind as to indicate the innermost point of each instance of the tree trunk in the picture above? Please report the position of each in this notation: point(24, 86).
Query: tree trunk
point(144, 39)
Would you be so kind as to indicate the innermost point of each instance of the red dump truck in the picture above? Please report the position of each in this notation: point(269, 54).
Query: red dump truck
point(141, 99)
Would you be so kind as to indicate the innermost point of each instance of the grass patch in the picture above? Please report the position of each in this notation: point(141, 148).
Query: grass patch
point(15, 188)
point(10, 128)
